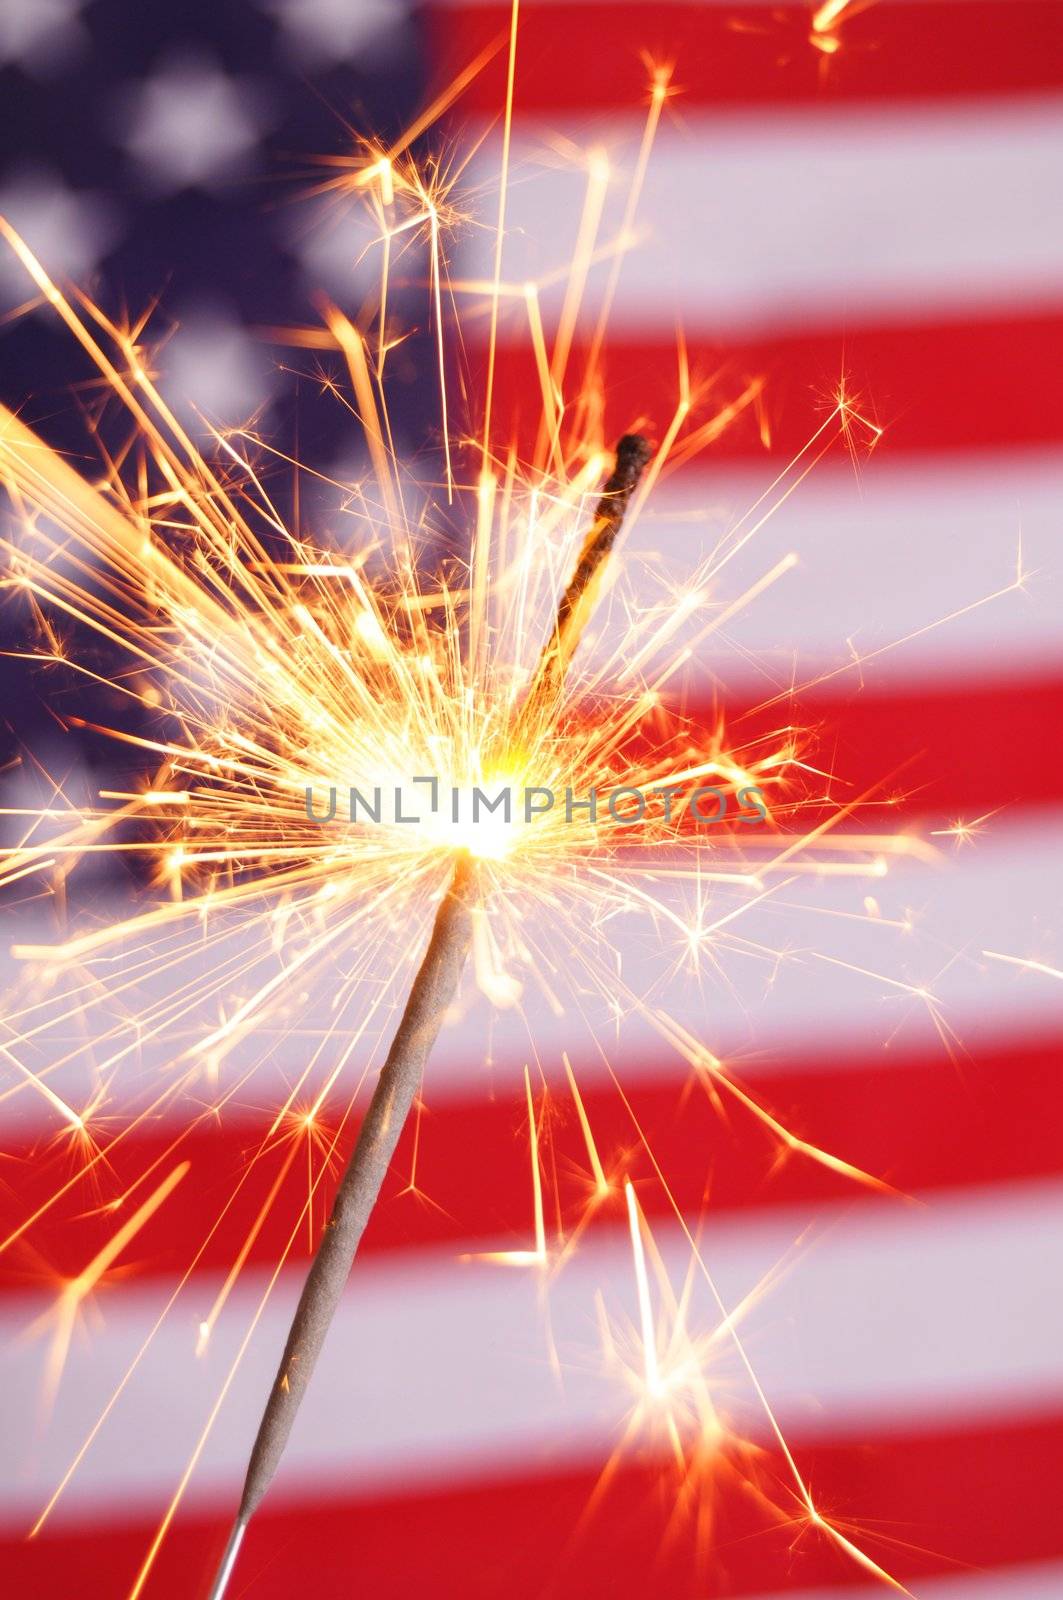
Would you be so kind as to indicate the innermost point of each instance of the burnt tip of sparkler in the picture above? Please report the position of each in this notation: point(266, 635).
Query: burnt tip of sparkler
point(228, 1560)
point(633, 452)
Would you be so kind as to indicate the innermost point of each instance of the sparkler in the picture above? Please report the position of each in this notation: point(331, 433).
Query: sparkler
point(276, 665)
point(433, 990)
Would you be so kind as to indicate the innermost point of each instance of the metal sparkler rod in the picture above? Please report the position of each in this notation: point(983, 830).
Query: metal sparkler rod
point(432, 991)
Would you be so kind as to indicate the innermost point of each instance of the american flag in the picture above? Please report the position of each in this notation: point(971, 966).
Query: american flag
point(869, 194)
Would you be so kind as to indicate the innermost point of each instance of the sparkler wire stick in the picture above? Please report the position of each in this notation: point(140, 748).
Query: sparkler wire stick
point(432, 991)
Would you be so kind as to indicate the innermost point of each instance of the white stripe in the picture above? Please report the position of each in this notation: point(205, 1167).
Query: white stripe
point(809, 974)
point(890, 1319)
point(812, 971)
point(756, 221)
point(883, 552)
point(1037, 1581)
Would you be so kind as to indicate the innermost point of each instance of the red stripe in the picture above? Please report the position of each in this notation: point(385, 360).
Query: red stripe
point(589, 57)
point(918, 758)
point(916, 1120)
point(945, 385)
point(929, 753)
point(939, 1502)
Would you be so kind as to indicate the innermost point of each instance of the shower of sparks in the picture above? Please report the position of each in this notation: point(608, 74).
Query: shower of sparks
point(272, 663)
point(668, 1369)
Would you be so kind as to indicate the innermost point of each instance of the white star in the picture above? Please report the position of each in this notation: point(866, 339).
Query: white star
point(40, 35)
point(54, 781)
point(213, 367)
point(69, 230)
point(340, 250)
point(191, 125)
point(326, 31)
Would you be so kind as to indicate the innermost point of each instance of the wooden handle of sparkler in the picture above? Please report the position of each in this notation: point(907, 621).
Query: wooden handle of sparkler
point(432, 991)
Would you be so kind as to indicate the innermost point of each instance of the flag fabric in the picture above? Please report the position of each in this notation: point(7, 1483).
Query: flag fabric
point(862, 198)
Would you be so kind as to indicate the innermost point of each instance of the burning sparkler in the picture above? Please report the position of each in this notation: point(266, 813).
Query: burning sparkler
point(276, 667)
point(432, 992)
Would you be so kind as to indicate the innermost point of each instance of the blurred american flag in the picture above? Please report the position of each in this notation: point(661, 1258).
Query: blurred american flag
point(878, 199)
